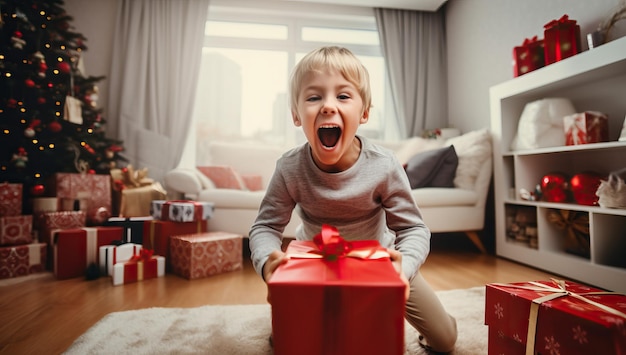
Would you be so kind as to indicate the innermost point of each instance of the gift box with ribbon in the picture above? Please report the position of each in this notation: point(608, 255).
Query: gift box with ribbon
point(562, 39)
point(16, 230)
point(350, 299)
point(142, 266)
point(88, 192)
point(10, 199)
point(206, 254)
point(113, 254)
point(181, 210)
point(586, 127)
point(157, 234)
point(554, 317)
point(22, 260)
point(528, 57)
point(133, 191)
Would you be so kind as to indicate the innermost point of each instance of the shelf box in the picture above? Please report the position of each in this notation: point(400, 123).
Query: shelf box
point(568, 231)
point(609, 233)
point(521, 225)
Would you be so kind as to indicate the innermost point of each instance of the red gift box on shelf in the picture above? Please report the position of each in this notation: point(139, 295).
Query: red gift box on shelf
point(206, 254)
point(561, 39)
point(94, 188)
point(113, 254)
point(157, 234)
point(75, 249)
point(141, 267)
point(47, 222)
point(554, 317)
point(16, 230)
point(22, 260)
point(528, 57)
point(10, 199)
point(586, 127)
point(181, 211)
point(350, 299)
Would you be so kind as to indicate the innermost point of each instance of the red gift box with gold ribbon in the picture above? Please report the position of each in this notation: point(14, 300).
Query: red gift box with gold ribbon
point(554, 317)
point(157, 234)
point(561, 39)
point(528, 57)
point(350, 299)
point(142, 266)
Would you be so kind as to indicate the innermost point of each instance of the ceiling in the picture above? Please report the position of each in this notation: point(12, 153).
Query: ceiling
point(421, 5)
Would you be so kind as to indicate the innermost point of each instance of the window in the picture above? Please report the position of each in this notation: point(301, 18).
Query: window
point(247, 58)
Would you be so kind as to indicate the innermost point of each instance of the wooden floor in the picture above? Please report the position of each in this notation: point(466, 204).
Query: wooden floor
point(40, 315)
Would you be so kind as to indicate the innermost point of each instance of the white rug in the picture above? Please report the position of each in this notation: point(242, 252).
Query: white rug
point(245, 329)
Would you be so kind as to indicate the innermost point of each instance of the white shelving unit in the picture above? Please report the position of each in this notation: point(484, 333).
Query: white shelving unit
point(594, 80)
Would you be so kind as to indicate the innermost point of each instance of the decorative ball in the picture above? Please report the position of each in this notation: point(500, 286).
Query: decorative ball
point(37, 190)
point(101, 215)
point(64, 67)
point(55, 127)
point(584, 187)
point(29, 83)
point(29, 132)
point(41, 100)
point(109, 154)
point(554, 187)
point(12, 103)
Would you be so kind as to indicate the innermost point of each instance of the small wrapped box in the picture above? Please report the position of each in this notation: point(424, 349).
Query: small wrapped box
point(181, 211)
point(554, 317)
point(47, 222)
point(22, 260)
point(562, 39)
point(528, 57)
point(157, 234)
point(348, 302)
point(113, 254)
point(140, 267)
point(586, 127)
point(95, 188)
point(201, 255)
point(16, 230)
point(133, 227)
point(75, 249)
point(10, 199)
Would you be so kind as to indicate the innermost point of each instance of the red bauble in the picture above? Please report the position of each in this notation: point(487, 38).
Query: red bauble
point(554, 187)
point(41, 100)
point(37, 190)
point(55, 127)
point(584, 187)
point(29, 83)
point(64, 67)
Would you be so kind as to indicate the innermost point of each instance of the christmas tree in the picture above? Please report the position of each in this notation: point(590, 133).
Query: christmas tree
point(49, 120)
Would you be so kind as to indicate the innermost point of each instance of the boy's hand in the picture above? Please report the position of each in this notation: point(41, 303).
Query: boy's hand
point(396, 260)
point(276, 258)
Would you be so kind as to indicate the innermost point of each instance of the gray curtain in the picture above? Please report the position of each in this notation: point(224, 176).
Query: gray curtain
point(414, 46)
point(157, 52)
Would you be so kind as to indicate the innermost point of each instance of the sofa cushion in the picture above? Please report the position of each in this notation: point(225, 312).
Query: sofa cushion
point(441, 197)
point(433, 168)
point(473, 149)
point(224, 177)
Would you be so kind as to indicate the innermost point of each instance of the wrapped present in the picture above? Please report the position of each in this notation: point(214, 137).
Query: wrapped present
point(22, 260)
point(554, 317)
point(75, 249)
point(10, 199)
point(528, 57)
point(16, 230)
point(350, 299)
point(45, 204)
point(575, 227)
point(157, 234)
point(140, 267)
point(95, 188)
point(586, 127)
point(47, 222)
point(113, 254)
point(181, 211)
point(561, 39)
point(200, 255)
point(133, 227)
point(133, 191)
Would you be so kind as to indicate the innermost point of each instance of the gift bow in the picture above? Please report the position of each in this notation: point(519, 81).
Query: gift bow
point(528, 41)
point(144, 255)
point(563, 19)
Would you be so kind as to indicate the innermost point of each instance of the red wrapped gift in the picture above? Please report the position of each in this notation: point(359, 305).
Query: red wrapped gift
point(16, 230)
point(586, 127)
point(181, 211)
point(555, 317)
point(93, 187)
point(528, 57)
point(141, 267)
point(200, 255)
point(75, 249)
point(22, 260)
point(562, 39)
point(156, 234)
point(47, 222)
point(113, 254)
point(10, 199)
point(350, 299)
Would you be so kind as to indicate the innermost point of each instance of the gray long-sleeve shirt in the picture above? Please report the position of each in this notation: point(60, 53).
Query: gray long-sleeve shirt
point(370, 200)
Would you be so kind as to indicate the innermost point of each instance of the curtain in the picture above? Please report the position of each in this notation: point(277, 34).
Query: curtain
point(157, 52)
point(414, 47)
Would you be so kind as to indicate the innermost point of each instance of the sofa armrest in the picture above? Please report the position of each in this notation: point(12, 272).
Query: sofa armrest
point(187, 181)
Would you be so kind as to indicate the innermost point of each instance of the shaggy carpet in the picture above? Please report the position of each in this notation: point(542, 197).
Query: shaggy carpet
point(244, 329)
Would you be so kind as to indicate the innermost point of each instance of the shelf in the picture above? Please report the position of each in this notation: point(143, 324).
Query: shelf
point(570, 148)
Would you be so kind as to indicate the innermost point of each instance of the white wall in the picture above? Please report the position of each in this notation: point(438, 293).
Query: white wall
point(481, 35)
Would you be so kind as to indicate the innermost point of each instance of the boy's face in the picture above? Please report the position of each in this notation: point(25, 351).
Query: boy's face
point(330, 110)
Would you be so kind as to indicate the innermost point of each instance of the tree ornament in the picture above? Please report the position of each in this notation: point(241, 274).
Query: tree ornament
point(109, 154)
point(12, 103)
point(41, 100)
point(29, 83)
point(55, 127)
point(29, 132)
point(584, 187)
point(64, 67)
point(554, 187)
point(38, 190)
point(17, 40)
point(20, 158)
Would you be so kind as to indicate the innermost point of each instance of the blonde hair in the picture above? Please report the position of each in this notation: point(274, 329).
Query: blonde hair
point(332, 57)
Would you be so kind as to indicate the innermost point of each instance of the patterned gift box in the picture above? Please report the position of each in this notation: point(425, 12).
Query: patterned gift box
point(22, 260)
point(181, 211)
point(133, 227)
point(562, 39)
point(528, 57)
point(555, 317)
point(75, 249)
point(139, 268)
point(206, 254)
point(96, 188)
point(47, 222)
point(16, 230)
point(157, 234)
point(586, 127)
point(113, 254)
point(10, 199)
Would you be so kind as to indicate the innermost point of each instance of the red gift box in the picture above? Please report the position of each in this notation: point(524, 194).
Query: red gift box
point(22, 260)
point(156, 234)
point(562, 39)
point(75, 249)
point(555, 317)
point(16, 230)
point(96, 188)
point(112, 254)
point(528, 57)
point(586, 127)
point(181, 211)
point(349, 300)
point(47, 222)
point(10, 199)
point(206, 254)
point(140, 267)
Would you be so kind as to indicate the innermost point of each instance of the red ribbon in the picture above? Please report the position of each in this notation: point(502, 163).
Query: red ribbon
point(331, 244)
point(563, 19)
point(528, 41)
point(144, 255)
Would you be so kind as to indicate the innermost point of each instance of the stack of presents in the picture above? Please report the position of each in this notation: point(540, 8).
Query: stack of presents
point(72, 235)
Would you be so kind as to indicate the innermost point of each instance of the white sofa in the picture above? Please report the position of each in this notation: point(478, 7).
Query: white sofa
point(457, 209)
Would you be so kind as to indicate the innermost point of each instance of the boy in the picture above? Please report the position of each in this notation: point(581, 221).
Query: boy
point(344, 180)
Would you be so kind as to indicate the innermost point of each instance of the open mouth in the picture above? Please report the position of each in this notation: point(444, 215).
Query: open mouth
point(329, 135)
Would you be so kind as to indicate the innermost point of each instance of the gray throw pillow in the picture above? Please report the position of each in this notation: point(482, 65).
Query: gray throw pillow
point(433, 168)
